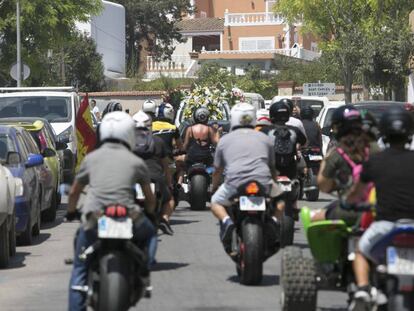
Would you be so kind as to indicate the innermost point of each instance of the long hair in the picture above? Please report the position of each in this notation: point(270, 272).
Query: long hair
point(355, 145)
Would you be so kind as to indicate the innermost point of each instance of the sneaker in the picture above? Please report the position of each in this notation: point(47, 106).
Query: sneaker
point(165, 227)
point(226, 234)
point(147, 286)
point(361, 301)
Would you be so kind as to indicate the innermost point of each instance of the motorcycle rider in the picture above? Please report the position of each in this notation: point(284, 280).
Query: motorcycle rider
point(263, 119)
point(312, 129)
point(111, 107)
point(392, 172)
point(335, 172)
point(150, 108)
point(244, 154)
point(152, 149)
point(110, 173)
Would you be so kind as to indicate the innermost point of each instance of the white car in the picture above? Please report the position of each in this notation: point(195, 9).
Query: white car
point(324, 120)
point(317, 103)
point(10, 187)
point(59, 105)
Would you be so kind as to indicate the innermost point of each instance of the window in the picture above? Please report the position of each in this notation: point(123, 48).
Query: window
point(269, 5)
point(256, 44)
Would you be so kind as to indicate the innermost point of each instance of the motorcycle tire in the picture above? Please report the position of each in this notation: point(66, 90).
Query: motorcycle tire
point(298, 280)
point(198, 193)
point(287, 228)
point(401, 302)
point(114, 291)
point(251, 253)
point(4, 245)
point(312, 195)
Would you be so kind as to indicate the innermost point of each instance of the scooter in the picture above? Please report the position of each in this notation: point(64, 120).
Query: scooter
point(313, 158)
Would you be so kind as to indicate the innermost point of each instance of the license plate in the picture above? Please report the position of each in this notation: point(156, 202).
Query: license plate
point(256, 204)
point(285, 187)
point(140, 194)
point(109, 228)
point(400, 261)
point(315, 158)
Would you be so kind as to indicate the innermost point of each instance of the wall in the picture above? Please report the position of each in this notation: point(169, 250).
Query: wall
point(183, 48)
point(249, 31)
point(204, 6)
point(238, 6)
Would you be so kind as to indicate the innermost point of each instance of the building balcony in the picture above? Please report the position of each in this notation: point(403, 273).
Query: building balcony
point(179, 66)
point(252, 19)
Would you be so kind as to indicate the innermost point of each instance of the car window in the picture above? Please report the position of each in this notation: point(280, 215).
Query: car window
point(6, 145)
point(316, 105)
point(328, 117)
point(24, 152)
point(51, 141)
point(30, 143)
point(377, 110)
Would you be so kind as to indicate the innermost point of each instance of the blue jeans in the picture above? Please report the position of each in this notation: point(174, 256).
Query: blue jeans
point(145, 236)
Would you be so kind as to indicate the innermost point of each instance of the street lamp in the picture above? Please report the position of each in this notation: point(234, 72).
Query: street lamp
point(18, 43)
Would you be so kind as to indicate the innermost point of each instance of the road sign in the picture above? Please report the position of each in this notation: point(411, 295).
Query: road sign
point(319, 89)
point(25, 71)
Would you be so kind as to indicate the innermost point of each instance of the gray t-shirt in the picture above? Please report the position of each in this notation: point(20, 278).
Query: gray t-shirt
point(246, 155)
point(111, 173)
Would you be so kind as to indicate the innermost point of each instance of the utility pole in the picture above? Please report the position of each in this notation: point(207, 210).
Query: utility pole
point(18, 44)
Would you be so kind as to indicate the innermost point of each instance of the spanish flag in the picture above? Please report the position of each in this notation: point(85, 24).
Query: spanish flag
point(85, 134)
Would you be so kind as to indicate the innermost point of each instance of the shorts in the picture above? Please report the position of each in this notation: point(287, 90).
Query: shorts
point(373, 235)
point(335, 212)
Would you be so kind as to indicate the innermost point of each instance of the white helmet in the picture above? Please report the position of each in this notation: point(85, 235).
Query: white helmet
point(169, 112)
point(118, 125)
point(142, 120)
point(262, 117)
point(243, 115)
point(149, 107)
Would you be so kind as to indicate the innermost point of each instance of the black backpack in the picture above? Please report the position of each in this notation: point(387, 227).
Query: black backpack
point(145, 144)
point(285, 145)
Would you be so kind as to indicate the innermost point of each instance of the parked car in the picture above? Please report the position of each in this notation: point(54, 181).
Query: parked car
point(49, 150)
point(317, 103)
point(378, 107)
point(324, 120)
point(9, 187)
point(59, 105)
point(255, 99)
point(28, 166)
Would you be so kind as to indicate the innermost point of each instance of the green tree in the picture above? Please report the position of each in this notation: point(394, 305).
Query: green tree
point(151, 25)
point(45, 25)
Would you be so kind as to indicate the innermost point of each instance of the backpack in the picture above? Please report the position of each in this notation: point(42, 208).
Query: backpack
point(356, 171)
point(145, 144)
point(284, 146)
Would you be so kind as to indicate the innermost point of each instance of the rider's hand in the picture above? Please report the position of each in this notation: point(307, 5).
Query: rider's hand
point(72, 215)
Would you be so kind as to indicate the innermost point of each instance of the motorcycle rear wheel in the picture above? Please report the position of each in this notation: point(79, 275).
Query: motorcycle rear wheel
point(251, 254)
point(114, 291)
point(198, 193)
point(312, 195)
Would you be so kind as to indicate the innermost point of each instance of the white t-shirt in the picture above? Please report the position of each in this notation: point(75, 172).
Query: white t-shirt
point(95, 112)
point(298, 124)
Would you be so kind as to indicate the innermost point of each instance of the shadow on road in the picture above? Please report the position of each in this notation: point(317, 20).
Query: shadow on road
point(60, 213)
point(182, 222)
point(165, 266)
point(17, 261)
point(42, 237)
point(333, 309)
point(268, 280)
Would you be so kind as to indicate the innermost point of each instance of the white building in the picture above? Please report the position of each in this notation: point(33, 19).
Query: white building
point(108, 31)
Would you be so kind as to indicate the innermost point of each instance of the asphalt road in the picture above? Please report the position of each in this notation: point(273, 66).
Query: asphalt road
point(193, 272)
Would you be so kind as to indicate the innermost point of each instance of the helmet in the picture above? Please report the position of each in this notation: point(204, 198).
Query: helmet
point(345, 120)
point(243, 115)
point(289, 103)
point(149, 107)
point(396, 123)
point(279, 112)
point(201, 115)
point(307, 113)
point(370, 124)
point(166, 111)
point(142, 120)
point(111, 107)
point(118, 126)
point(262, 117)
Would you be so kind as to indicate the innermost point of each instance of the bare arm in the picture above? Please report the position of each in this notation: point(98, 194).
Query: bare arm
point(149, 198)
point(218, 172)
point(186, 139)
point(325, 184)
point(214, 136)
point(74, 194)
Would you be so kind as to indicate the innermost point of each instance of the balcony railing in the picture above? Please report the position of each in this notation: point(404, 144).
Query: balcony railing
point(252, 19)
point(180, 66)
point(293, 52)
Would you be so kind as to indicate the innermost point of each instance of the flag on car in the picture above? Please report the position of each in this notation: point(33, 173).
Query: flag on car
point(85, 133)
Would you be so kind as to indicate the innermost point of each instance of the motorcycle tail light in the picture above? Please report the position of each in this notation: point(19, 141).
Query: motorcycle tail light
point(252, 188)
point(404, 240)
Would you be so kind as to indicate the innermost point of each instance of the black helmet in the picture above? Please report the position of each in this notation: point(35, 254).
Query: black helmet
point(289, 103)
point(279, 112)
point(345, 120)
point(396, 124)
point(307, 113)
point(111, 107)
point(201, 115)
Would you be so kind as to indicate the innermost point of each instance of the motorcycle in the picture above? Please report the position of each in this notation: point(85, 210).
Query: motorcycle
point(199, 189)
point(255, 238)
point(117, 265)
point(290, 196)
point(313, 158)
